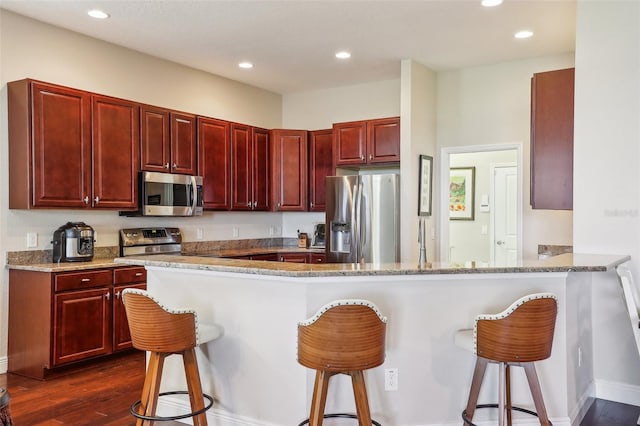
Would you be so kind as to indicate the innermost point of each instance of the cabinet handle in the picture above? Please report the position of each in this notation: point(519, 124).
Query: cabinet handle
point(175, 166)
point(107, 295)
point(370, 156)
point(117, 294)
point(362, 157)
point(255, 204)
point(97, 200)
point(249, 204)
point(86, 199)
point(311, 204)
point(85, 280)
point(138, 274)
point(278, 205)
point(166, 166)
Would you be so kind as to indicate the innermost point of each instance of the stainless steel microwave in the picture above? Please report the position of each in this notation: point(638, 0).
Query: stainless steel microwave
point(167, 194)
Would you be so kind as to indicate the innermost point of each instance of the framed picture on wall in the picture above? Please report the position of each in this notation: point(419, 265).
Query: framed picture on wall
point(462, 193)
point(425, 186)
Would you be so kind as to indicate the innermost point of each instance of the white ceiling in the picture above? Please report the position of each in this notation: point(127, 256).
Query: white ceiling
point(292, 43)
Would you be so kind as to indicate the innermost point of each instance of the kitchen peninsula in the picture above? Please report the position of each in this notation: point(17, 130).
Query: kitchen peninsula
point(253, 372)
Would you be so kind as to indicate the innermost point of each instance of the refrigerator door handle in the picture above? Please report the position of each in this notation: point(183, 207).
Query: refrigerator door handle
point(357, 237)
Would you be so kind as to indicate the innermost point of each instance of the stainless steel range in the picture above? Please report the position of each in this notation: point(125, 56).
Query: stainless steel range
point(141, 241)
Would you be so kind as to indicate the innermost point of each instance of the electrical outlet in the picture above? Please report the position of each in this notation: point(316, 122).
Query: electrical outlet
point(391, 379)
point(236, 232)
point(32, 239)
point(199, 235)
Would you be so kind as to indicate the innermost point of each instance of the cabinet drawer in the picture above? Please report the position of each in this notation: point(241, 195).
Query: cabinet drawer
point(84, 279)
point(135, 274)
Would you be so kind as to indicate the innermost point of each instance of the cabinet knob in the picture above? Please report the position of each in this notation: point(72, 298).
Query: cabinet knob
point(255, 204)
point(175, 166)
point(117, 294)
point(107, 295)
point(86, 200)
point(249, 204)
point(362, 157)
point(311, 204)
point(370, 156)
point(166, 166)
point(278, 205)
point(97, 200)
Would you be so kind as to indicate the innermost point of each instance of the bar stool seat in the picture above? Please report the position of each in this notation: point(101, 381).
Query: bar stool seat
point(344, 337)
point(517, 336)
point(163, 332)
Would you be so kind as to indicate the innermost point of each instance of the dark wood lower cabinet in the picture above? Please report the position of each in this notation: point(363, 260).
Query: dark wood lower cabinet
point(57, 319)
point(294, 257)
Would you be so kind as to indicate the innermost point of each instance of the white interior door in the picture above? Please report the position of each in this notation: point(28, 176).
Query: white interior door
point(504, 248)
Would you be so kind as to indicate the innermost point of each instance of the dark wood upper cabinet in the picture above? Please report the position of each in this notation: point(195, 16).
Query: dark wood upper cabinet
point(116, 153)
point(214, 160)
point(71, 149)
point(320, 166)
point(358, 143)
point(249, 168)
point(184, 145)
point(168, 141)
point(49, 126)
point(552, 96)
point(289, 169)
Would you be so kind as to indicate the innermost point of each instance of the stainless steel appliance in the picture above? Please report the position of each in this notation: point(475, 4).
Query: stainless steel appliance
point(362, 218)
point(166, 194)
point(73, 242)
point(140, 241)
point(319, 235)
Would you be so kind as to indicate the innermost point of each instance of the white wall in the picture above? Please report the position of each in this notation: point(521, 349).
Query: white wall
point(606, 176)
point(491, 105)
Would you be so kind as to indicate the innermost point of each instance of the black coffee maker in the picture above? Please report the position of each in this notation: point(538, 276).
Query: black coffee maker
point(73, 242)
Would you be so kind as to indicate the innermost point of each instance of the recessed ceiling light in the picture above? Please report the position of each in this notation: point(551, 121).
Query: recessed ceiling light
point(245, 65)
point(491, 3)
point(98, 14)
point(523, 34)
point(343, 55)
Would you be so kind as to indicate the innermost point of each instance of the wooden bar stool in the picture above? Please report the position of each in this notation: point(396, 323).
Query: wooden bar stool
point(343, 337)
point(517, 336)
point(163, 332)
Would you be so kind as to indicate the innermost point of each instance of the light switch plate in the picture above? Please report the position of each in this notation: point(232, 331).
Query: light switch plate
point(32, 239)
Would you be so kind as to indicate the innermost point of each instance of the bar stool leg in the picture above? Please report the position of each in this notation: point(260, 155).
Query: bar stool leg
point(536, 392)
point(508, 387)
point(319, 398)
point(501, 392)
point(194, 386)
point(151, 387)
point(360, 394)
point(476, 383)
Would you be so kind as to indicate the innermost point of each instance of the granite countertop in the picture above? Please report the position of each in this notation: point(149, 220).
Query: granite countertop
point(569, 262)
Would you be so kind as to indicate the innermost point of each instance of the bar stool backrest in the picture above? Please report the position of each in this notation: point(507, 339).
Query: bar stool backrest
point(344, 335)
point(156, 328)
point(521, 333)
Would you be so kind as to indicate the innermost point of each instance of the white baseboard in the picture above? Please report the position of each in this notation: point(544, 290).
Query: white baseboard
point(4, 364)
point(618, 392)
point(172, 406)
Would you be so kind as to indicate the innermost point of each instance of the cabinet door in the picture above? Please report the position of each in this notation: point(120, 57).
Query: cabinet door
point(241, 170)
point(383, 140)
point(61, 150)
point(116, 153)
point(350, 143)
point(261, 170)
point(552, 140)
point(183, 144)
point(155, 136)
point(289, 169)
point(213, 163)
point(121, 334)
point(320, 166)
point(82, 325)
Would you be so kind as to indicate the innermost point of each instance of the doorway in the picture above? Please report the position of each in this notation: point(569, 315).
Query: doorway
point(492, 232)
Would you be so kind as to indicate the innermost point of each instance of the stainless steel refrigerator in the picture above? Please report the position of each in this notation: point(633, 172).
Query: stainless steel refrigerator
point(363, 218)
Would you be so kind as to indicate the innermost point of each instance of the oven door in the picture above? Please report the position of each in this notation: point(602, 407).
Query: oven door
point(165, 194)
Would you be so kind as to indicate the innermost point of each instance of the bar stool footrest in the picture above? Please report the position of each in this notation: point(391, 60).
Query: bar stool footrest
point(468, 421)
point(340, 415)
point(135, 405)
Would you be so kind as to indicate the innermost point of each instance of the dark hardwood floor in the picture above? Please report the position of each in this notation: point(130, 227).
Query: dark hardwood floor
point(609, 413)
point(101, 394)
